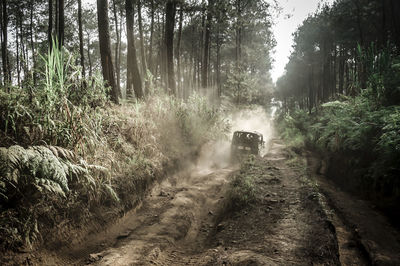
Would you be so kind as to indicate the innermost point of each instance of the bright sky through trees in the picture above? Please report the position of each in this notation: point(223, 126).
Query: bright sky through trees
point(293, 13)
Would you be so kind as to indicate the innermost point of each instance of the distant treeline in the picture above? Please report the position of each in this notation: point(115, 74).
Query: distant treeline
point(338, 48)
point(180, 46)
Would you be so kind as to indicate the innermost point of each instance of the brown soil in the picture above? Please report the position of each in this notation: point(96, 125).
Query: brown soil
point(183, 221)
point(367, 228)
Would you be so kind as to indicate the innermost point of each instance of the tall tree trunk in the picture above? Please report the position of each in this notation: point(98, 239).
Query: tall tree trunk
point(17, 52)
point(133, 74)
point(23, 50)
point(60, 23)
point(170, 10)
point(50, 26)
point(117, 47)
point(56, 20)
point(204, 80)
point(32, 43)
point(105, 48)
point(218, 65)
point(395, 7)
point(238, 33)
point(4, 49)
point(162, 53)
point(178, 51)
point(142, 50)
point(341, 69)
point(150, 55)
point(81, 38)
point(88, 55)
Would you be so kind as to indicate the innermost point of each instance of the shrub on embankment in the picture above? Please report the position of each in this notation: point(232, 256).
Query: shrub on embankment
point(69, 157)
point(359, 137)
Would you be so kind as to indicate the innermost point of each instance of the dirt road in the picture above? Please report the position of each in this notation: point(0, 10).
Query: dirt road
point(184, 221)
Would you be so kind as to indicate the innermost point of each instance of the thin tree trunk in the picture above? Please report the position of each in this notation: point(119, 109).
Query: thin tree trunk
point(32, 44)
point(88, 54)
point(150, 55)
point(142, 51)
point(218, 66)
point(4, 49)
point(238, 32)
point(105, 48)
point(178, 50)
point(341, 69)
point(204, 80)
point(60, 23)
point(133, 79)
point(17, 53)
point(81, 38)
point(23, 50)
point(50, 27)
point(170, 10)
point(56, 20)
point(117, 46)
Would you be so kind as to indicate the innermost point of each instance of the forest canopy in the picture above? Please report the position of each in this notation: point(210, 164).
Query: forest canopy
point(223, 47)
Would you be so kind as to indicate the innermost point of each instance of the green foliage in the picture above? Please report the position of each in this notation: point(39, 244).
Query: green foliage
point(293, 128)
point(29, 176)
point(242, 191)
point(361, 128)
point(56, 110)
point(245, 88)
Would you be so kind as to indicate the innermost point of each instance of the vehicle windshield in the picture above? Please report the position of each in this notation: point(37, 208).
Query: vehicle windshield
point(248, 138)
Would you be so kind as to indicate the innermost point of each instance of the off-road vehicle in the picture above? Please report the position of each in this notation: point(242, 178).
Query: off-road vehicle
point(246, 143)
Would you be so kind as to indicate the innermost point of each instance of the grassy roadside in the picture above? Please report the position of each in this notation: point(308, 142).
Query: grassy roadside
point(49, 191)
point(358, 142)
point(69, 158)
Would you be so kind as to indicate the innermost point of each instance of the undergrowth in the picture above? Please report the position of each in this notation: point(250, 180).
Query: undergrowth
point(362, 133)
point(69, 156)
point(242, 188)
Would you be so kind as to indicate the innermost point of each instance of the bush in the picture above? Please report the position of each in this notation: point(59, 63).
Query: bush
point(242, 190)
point(57, 110)
point(70, 156)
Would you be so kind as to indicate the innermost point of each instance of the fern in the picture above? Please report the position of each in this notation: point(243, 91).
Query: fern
point(49, 169)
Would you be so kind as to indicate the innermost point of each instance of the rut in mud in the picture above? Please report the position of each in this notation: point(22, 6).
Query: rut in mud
point(188, 220)
point(183, 222)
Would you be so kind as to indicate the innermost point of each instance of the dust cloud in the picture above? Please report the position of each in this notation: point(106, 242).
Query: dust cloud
point(216, 154)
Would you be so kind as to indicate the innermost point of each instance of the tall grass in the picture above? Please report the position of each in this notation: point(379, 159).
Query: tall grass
point(54, 111)
point(119, 150)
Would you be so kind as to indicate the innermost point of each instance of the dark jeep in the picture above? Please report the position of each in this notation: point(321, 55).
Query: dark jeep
point(245, 143)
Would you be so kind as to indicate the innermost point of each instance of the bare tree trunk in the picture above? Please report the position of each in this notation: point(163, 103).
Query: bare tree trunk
point(4, 49)
point(218, 65)
point(88, 54)
point(132, 65)
point(117, 47)
point(32, 44)
point(23, 50)
point(50, 27)
point(238, 33)
point(17, 53)
point(341, 69)
point(178, 51)
point(60, 23)
point(81, 38)
point(204, 80)
point(150, 55)
point(395, 7)
point(142, 51)
point(56, 20)
point(105, 48)
point(170, 10)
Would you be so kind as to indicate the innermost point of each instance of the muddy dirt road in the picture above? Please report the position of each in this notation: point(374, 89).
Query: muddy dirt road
point(184, 221)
